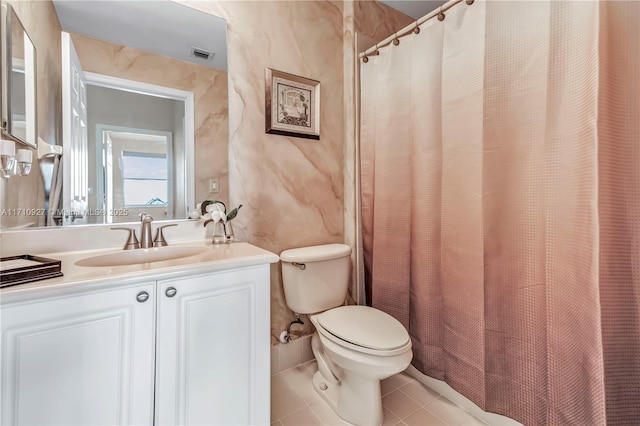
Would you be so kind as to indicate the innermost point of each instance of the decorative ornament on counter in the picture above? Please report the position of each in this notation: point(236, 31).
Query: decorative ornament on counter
point(216, 211)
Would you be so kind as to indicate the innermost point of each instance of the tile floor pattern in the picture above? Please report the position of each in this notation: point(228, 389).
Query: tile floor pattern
point(405, 402)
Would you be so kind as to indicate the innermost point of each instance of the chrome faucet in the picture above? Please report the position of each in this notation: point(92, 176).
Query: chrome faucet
point(145, 235)
point(146, 241)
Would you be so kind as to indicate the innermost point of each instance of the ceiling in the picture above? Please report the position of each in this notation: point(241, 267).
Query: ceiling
point(159, 26)
point(414, 8)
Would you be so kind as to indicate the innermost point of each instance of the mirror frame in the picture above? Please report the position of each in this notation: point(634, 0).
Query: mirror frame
point(9, 16)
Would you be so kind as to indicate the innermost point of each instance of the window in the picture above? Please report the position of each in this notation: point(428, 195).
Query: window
point(145, 179)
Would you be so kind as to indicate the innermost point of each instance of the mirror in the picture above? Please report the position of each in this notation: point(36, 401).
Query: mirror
point(134, 156)
point(18, 80)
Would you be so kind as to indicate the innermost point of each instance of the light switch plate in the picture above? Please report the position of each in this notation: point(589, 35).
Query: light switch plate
point(214, 188)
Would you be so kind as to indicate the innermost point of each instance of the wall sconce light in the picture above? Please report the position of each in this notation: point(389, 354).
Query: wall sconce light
point(24, 159)
point(7, 157)
point(12, 163)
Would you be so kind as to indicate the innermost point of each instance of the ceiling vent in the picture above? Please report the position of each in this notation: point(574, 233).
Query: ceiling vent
point(199, 53)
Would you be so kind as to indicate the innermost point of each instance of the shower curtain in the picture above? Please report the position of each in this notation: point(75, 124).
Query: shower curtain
point(501, 204)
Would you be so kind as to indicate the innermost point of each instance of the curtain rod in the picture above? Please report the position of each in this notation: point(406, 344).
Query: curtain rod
point(439, 12)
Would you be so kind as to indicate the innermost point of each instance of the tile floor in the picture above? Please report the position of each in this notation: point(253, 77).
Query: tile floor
point(405, 401)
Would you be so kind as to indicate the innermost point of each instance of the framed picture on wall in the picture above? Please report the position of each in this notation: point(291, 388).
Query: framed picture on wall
point(292, 105)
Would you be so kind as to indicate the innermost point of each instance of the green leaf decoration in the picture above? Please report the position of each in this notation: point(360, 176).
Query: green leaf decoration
point(233, 213)
point(206, 222)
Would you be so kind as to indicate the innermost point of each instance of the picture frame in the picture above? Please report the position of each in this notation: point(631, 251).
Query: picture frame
point(292, 105)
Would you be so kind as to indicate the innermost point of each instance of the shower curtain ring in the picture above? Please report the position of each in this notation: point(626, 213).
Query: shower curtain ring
point(469, 2)
point(376, 52)
point(365, 59)
point(416, 30)
point(441, 15)
point(395, 40)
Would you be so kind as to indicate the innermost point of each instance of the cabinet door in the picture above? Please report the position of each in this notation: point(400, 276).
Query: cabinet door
point(80, 359)
point(213, 349)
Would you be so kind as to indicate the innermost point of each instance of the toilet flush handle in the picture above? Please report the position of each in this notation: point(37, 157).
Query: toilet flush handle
point(302, 266)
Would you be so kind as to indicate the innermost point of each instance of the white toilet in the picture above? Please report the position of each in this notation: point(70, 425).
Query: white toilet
point(355, 346)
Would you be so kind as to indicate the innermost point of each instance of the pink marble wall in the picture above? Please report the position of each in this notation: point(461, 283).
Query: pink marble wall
point(208, 85)
point(293, 188)
point(377, 20)
point(42, 25)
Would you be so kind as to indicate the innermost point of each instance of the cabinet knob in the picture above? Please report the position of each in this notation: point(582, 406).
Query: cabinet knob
point(170, 292)
point(142, 297)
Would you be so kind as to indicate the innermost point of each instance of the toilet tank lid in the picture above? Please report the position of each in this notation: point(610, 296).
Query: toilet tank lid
point(315, 253)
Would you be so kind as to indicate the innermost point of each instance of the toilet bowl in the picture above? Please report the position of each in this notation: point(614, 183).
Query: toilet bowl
point(359, 361)
point(355, 346)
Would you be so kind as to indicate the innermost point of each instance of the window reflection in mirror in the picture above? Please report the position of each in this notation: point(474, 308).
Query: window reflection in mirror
point(144, 179)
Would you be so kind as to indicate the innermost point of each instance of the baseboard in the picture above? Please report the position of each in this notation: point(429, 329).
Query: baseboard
point(287, 355)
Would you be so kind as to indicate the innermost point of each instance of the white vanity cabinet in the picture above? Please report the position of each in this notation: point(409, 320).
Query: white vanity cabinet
point(212, 362)
point(80, 358)
point(194, 351)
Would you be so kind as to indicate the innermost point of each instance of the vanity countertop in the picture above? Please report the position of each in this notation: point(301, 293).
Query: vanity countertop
point(214, 257)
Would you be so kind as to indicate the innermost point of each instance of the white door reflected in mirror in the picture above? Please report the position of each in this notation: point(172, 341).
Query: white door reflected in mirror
point(74, 135)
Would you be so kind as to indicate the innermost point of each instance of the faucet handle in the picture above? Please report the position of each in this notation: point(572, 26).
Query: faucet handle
point(159, 240)
point(132, 241)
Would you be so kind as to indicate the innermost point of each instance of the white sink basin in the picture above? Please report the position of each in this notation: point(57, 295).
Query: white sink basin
point(138, 256)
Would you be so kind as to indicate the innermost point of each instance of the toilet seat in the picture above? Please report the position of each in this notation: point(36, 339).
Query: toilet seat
point(363, 329)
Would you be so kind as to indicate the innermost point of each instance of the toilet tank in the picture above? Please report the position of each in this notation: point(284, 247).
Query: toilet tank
point(316, 278)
